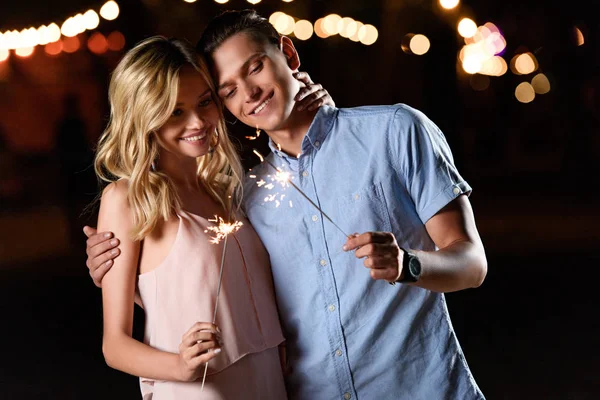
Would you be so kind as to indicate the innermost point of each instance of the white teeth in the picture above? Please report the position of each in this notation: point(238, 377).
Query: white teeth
point(263, 105)
point(194, 138)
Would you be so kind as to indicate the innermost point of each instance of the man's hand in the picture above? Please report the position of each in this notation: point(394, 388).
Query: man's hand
point(313, 95)
point(101, 249)
point(381, 252)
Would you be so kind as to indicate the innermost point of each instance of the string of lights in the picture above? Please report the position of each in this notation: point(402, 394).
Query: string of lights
point(57, 38)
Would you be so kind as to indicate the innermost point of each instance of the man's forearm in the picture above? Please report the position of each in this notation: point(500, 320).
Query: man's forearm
point(459, 266)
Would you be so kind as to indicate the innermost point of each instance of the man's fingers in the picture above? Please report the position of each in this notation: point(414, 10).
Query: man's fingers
point(306, 91)
point(89, 231)
point(376, 262)
point(368, 237)
point(98, 238)
point(101, 248)
point(104, 259)
point(387, 274)
point(303, 77)
point(98, 273)
point(311, 99)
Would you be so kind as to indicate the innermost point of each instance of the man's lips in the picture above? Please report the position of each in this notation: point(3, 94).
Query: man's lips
point(262, 104)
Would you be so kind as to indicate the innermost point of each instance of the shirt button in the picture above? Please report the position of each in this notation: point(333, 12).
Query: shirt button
point(305, 173)
point(356, 196)
point(315, 218)
point(338, 353)
point(456, 190)
point(347, 396)
point(317, 143)
point(332, 309)
point(323, 262)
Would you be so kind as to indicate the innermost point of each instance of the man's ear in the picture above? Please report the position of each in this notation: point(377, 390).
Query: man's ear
point(289, 51)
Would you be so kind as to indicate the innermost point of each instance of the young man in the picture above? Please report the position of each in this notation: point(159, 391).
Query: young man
point(386, 172)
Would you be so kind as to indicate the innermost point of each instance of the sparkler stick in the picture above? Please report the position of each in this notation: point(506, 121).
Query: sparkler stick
point(288, 180)
point(222, 233)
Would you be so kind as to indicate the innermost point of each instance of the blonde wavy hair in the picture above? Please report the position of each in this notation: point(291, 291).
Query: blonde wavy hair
point(143, 93)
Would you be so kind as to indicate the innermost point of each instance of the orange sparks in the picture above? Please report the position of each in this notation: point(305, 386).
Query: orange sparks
point(259, 155)
point(223, 229)
point(254, 137)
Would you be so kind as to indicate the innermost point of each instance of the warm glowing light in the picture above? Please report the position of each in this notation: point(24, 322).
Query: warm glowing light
point(354, 36)
point(275, 16)
point(54, 48)
point(43, 35)
point(190, 1)
point(53, 33)
point(467, 28)
point(71, 44)
point(493, 66)
point(4, 53)
point(116, 41)
point(419, 44)
point(29, 37)
point(525, 93)
point(253, 1)
point(287, 1)
point(303, 29)
point(330, 24)
point(284, 24)
point(110, 10)
point(579, 39)
point(223, 229)
point(319, 29)
point(91, 20)
point(68, 28)
point(254, 137)
point(368, 34)
point(449, 4)
point(472, 64)
point(261, 158)
point(540, 84)
point(24, 51)
point(524, 64)
point(97, 43)
point(12, 39)
point(221, 1)
point(342, 26)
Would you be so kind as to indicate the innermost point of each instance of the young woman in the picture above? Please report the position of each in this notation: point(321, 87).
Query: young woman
point(171, 168)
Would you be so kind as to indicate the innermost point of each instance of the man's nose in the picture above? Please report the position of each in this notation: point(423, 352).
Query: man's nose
point(252, 93)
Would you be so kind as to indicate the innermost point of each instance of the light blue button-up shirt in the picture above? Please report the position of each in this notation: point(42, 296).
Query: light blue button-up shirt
point(377, 168)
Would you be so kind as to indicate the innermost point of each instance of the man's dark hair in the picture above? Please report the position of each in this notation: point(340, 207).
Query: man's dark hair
point(232, 22)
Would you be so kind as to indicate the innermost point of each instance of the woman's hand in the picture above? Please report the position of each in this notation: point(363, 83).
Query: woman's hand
point(312, 95)
point(200, 344)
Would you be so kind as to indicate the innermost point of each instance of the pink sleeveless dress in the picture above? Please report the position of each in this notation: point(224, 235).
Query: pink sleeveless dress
point(182, 291)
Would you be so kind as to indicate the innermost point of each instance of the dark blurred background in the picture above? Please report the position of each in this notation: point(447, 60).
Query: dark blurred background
point(529, 144)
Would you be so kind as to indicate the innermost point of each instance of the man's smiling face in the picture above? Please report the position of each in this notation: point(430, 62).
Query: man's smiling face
point(254, 80)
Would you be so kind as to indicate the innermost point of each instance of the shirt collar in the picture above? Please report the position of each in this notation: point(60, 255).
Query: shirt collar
point(317, 132)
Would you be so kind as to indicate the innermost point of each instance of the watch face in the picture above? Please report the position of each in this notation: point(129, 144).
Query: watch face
point(414, 265)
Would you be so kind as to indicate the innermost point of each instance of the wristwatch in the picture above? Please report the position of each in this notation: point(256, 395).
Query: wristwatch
point(411, 268)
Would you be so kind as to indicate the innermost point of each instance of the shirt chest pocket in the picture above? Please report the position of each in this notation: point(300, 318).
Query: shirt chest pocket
point(365, 209)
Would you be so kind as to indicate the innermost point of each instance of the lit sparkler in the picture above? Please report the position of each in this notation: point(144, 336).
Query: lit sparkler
point(222, 229)
point(222, 232)
point(285, 179)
